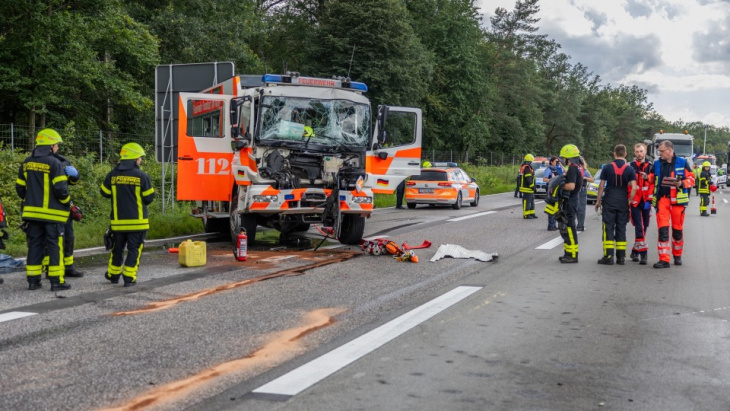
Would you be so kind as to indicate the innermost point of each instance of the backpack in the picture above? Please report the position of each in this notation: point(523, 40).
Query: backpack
point(555, 189)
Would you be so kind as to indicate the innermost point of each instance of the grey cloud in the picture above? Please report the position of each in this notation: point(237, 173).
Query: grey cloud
point(598, 19)
point(637, 9)
point(645, 8)
point(613, 61)
point(713, 46)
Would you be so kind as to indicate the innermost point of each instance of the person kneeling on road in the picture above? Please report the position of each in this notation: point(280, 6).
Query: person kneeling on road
point(130, 191)
point(619, 182)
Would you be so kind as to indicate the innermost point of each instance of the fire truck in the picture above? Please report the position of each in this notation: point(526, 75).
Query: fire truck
point(287, 151)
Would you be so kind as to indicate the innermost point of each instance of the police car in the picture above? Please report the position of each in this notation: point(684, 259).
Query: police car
point(442, 184)
point(592, 188)
point(540, 185)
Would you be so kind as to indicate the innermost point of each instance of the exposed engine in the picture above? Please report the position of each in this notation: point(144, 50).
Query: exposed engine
point(290, 169)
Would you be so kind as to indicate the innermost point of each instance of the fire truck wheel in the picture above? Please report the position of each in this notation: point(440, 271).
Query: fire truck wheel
point(353, 227)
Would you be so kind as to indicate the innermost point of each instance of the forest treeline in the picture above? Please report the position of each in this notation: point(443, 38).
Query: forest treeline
point(497, 85)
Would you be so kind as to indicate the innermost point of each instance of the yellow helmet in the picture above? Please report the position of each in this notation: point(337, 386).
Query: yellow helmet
point(47, 137)
point(131, 151)
point(426, 164)
point(569, 151)
point(308, 132)
point(706, 164)
point(529, 157)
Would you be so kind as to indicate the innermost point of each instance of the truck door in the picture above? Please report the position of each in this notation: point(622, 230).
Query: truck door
point(204, 147)
point(396, 150)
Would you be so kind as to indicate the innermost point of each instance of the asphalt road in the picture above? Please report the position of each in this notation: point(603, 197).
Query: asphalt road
point(335, 329)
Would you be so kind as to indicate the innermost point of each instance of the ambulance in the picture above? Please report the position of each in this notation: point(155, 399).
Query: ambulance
point(289, 151)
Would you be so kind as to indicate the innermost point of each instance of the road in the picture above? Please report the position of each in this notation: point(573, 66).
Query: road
point(335, 329)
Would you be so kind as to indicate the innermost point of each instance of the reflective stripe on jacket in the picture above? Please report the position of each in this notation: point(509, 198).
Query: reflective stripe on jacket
point(646, 185)
point(43, 187)
point(704, 183)
point(130, 191)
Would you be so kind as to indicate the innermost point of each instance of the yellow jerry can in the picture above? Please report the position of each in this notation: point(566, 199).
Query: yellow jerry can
point(192, 253)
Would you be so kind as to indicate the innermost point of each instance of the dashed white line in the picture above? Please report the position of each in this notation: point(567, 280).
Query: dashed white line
point(472, 216)
point(14, 315)
point(552, 243)
point(320, 368)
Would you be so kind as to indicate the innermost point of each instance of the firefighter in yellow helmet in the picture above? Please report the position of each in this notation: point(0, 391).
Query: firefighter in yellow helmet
point(42, 185)
point(130, 191)
point(703, 187)
point(569, 202)
point(527, 187)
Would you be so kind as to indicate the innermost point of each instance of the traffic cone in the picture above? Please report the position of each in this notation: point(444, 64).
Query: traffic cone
point(713, 210)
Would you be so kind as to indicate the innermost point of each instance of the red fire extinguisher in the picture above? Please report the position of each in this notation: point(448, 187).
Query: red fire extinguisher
point(241, 243)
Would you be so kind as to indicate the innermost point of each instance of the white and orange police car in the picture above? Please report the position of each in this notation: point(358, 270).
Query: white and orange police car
point(442, 184)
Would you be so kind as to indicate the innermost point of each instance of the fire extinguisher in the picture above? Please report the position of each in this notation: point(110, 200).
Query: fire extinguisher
point(241, 243)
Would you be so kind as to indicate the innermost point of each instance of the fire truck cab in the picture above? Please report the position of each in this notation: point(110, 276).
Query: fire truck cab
point(289, 151)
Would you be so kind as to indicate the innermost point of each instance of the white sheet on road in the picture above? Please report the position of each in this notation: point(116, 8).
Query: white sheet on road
point(457, 251)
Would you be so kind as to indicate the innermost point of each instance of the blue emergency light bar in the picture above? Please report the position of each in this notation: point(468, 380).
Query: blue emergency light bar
point(314, 81)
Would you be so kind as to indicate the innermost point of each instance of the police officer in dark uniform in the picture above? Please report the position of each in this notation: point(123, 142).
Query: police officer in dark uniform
point(618, 180)
point(43, 187)
point(569, 203)
point(130, 191)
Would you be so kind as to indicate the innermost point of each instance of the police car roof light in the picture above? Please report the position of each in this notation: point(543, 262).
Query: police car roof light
point(444, 164)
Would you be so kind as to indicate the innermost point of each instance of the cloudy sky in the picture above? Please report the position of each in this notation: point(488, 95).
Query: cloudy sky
point(678, 50)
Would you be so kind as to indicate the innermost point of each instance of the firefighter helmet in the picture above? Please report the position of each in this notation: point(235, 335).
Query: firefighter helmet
point(47, 137)
point(308, 132)
point(569, 151)
point(529, 157)
point(131, 151)
point(706, 164)
point(426, 164)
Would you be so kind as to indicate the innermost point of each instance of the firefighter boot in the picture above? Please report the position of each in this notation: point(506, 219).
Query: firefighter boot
point(114, 279)
point(72, 272)
point(642, 261)
point(57, 286)
point(677, 260)
point(129, 282)
point(661, 264)
point(34, 283)
point(568, 259)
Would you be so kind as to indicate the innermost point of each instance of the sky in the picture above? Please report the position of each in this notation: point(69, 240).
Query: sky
point(678, 50)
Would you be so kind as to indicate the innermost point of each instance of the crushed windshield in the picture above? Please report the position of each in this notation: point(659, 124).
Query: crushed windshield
point(326, 122)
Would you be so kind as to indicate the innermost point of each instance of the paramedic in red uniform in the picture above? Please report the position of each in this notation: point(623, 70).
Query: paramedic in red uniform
point(673, 181)
point(641, 206)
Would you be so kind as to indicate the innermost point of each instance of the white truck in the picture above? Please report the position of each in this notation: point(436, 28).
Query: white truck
point(683, 144)
point(289, 151)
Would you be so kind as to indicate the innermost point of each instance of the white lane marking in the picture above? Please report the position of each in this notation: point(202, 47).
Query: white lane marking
point(550, 244)
point(539, 202)
point(553, 243)
point(472, 216)
point(14, 315)
point(320, 368)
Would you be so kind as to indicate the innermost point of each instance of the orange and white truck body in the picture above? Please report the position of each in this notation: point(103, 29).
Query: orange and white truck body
point(288, 151)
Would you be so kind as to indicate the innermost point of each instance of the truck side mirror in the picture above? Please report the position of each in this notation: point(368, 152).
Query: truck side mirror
point(234, 113)
point(382, 119)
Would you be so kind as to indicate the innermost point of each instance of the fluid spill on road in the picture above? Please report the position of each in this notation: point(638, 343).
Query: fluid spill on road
point(294, 271)
point(282, 346)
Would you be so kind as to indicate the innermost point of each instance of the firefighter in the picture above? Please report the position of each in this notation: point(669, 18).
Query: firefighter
point(619, 183)
point(641, 206)
point(569, 202)
point(527, 187)
point(68, 230)
point(703, 186)
point(673, 181)
point(130, 191)
point(42, 186)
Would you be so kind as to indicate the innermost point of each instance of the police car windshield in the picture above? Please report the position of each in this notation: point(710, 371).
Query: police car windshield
point(431, 175)
point(322, 122)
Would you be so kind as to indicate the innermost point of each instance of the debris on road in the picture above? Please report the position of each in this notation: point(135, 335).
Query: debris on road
point(384, 246)
point(457, 251)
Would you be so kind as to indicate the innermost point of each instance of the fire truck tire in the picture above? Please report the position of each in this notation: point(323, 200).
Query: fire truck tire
point(353, 227)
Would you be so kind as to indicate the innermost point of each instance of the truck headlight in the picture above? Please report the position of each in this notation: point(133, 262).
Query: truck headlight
point(265, 199)
point(362, 200)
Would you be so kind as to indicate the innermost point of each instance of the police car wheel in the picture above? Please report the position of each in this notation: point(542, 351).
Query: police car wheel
point(457, 204)
point(411, 205)
point(476, 199)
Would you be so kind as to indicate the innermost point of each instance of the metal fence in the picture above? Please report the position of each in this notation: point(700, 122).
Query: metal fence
point(482, 158)
point(89, 142)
